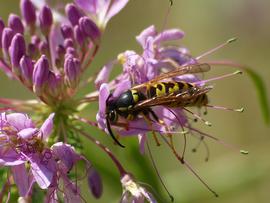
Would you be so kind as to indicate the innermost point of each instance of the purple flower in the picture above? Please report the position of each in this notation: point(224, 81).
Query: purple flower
point(101, 10)
point(23, 144)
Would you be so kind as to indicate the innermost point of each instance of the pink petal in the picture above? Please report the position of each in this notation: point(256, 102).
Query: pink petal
point(19, 121)
point(47, 127)
point(21, 178)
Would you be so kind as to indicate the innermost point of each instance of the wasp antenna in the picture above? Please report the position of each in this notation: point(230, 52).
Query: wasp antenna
point(111, 133)
point(225, 108)
point(157, 172)
point(217, 48)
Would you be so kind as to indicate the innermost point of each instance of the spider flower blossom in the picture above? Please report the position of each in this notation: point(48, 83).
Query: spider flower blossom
point(23, 144)
point(155, 59)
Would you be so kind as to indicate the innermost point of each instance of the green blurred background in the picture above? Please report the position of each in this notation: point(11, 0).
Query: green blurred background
point(235, 177)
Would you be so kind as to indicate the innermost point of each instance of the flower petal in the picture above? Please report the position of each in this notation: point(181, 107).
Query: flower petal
point(47, 126)
point(21, 178)
point(19, 121)
point(27, 133)
point(148, 32)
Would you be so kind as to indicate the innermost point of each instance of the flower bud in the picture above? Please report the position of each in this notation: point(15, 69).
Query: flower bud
point(26, 66)
point(79, 35)
point(54, 84)
point(95, 183)
point(73, 14)
point(43, 47)
point(67, 31)
point(68, 43)
point(15, 23)
point(90, 29)
point(72, 71)
point(45, 19)
point(40, 74)
point(28, 12)
point(2, 26)
point(7, 36)
point(16, 51)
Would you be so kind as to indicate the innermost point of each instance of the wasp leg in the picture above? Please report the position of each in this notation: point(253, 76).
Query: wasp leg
point(149, 122)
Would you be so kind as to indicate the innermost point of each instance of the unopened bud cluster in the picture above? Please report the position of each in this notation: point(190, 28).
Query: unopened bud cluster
point(48, 58)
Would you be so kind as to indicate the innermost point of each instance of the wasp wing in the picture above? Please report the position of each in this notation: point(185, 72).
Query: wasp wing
point(181, 70)
point(174, 99)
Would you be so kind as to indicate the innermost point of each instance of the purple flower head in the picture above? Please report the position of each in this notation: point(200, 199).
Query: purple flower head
point(16, 50)
point(15, 23)
point(28, 12)
point(101, 10)
point(45, 19)
point(133, 192)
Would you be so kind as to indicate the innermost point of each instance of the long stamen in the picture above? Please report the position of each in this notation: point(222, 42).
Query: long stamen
point(220, 77)
point(219, 141)
point(119, 166)
point(182, 161)
point(225, 108)
point(157, 172)
point(198, 117)
point(216, 48)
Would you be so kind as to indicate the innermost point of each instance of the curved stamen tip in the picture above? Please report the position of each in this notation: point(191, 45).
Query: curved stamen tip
point(240, 110)
point(232, 40)
point(238, 72)
point(208, 123)
point(245, 152)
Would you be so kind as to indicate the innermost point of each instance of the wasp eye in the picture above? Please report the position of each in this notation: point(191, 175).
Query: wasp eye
point(112, 116)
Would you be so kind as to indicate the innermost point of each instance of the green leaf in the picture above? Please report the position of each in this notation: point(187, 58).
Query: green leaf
point(261, 91)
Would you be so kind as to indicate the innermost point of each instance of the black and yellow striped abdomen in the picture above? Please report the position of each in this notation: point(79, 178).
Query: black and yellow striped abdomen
point(174, 88)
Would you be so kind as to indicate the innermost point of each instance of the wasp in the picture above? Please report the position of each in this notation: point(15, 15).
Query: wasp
point(163, 90)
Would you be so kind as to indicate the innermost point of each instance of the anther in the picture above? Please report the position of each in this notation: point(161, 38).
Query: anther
point(232, 40)
point(245, 152)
